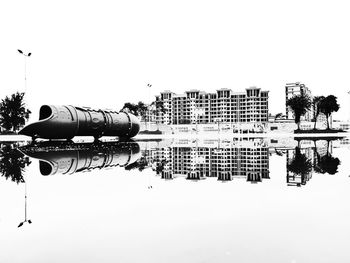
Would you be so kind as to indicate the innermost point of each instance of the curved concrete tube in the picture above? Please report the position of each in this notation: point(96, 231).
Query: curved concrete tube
point(66, 122)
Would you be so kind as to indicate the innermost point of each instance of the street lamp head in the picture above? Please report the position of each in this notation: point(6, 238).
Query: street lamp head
point(20, 51)
point(20, 224)
point(29, 54)
point(29, 221)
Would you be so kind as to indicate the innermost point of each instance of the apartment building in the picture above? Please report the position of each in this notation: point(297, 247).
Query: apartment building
point(224, 106)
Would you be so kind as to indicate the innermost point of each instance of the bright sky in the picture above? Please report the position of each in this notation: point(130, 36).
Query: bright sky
point(103, 53)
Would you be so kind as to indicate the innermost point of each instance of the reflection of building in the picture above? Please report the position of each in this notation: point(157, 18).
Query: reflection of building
point(197, 163)
point(225, 106)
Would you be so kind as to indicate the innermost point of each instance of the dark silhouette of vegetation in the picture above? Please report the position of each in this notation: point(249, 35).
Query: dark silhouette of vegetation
point(139, 109)
point(159, 106)
point(299, 105)
point(13, 113)
point(278, 116)
point(130, 108)
point(300, 164)
point(12, 163)
point(316, 101)
point(327, 163)
point(328, 105)
point(141, 164)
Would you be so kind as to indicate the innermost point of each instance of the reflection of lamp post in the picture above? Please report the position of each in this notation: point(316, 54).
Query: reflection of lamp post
point(25, 205)
point(25, 67)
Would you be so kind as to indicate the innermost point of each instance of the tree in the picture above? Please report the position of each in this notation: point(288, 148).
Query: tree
point(278, 115)
point(142, 110)
point(131, 108)
point(139, 109)
point(329, 105)
point(316, 101)
point(13, 113)
point(299, 105)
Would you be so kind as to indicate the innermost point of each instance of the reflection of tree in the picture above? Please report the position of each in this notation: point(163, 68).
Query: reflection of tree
point(327, 163)
point(141, 164)
point(12, 163)
point(160, 165)
point(300, 164)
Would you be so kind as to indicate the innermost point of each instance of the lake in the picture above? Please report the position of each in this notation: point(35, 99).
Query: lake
point(176, 200)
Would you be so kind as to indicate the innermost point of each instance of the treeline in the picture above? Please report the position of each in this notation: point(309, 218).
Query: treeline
point(142, 109)
point(301, 104)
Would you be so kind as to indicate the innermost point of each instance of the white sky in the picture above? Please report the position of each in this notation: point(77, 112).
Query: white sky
point(103, 53)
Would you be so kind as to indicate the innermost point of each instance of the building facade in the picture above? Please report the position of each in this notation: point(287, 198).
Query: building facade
point(297, 89)
point(223, 106)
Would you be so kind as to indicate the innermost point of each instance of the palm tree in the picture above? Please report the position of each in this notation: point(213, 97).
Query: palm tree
point(316, 101)
point(329, 105)
point(299, 105)
point(13, 113)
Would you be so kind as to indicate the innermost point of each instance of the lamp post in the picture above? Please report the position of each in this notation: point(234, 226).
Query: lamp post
point(349, 94)
point(25, 67)
point(149, 110)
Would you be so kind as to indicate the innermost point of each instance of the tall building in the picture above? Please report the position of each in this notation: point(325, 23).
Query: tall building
point(199, 107)
point(296, 89)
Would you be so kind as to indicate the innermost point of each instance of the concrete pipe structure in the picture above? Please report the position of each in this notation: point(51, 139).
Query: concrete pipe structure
point(73, 158)
point(66, 122)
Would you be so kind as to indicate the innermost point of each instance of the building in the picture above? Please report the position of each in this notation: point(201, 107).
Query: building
point(296, 89)
point(223, 106)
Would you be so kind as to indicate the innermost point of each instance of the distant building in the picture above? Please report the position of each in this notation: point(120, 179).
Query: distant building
point(223, 106)
point(296, 89)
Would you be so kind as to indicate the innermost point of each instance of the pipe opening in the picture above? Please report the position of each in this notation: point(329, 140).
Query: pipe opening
point(45, 168)
point(45, 112)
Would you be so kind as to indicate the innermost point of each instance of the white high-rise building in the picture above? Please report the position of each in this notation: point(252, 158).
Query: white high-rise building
point(224, 106)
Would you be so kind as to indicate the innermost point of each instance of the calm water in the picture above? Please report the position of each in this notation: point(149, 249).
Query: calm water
point(246, 200)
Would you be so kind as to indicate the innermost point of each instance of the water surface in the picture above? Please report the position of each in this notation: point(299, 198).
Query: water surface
point(246, 200)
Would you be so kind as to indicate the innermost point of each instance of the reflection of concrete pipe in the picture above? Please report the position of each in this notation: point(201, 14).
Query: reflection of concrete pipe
point(65, 122)
point(72, 158)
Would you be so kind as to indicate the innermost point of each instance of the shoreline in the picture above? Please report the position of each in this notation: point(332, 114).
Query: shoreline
point(140, 137)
